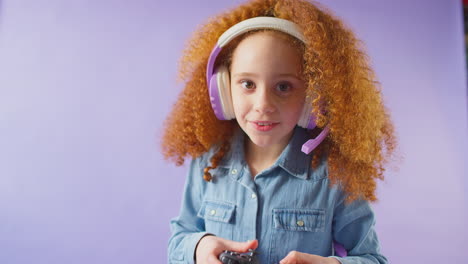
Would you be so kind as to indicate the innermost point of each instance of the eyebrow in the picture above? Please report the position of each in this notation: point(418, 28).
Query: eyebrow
point(249, 74)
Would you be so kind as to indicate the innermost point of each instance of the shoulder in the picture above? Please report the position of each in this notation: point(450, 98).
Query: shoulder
point(204, 159)
point(198, 164)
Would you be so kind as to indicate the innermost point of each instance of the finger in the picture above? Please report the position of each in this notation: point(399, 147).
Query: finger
point(293, 257)
point(242, 246)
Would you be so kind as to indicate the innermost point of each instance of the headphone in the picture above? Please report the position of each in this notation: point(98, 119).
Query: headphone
point(218, 79)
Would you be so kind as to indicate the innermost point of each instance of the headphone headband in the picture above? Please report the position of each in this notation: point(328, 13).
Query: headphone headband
point(255, 23)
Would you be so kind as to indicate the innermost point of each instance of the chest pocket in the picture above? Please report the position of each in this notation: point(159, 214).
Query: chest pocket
point(312, 220)
point(217, 211)
point(303, 229)
point(219, 218)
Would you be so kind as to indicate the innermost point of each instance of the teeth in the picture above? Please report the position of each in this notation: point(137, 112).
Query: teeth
point(264, 124)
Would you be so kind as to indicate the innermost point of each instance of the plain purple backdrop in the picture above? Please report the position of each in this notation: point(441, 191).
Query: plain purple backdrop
point(86, 85)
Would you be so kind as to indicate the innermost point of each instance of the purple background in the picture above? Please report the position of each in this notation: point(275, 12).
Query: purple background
point(86, 85)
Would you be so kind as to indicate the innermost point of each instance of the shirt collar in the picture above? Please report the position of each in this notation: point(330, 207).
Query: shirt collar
point(292, 159)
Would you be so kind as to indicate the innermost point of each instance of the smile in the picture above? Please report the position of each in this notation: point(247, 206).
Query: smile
point(264, 126)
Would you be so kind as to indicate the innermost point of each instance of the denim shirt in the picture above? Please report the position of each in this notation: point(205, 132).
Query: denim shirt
point(289, 206)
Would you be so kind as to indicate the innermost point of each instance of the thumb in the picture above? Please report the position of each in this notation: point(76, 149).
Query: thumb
point(243, 246)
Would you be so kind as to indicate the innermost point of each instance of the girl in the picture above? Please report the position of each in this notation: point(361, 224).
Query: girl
point(287, 133)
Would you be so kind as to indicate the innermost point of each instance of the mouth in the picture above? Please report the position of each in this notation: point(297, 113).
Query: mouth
point(264, 123)
point(264, 126)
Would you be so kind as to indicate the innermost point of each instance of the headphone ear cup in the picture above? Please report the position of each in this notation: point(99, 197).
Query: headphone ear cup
point(215, 99)
point(224, 87)
point(307, 119)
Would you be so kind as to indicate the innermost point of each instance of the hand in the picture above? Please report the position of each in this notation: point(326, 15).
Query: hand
point(210, 247)
point(295, 257)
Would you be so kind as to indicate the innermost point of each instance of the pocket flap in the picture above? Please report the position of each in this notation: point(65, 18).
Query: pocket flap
point(299, 219)
point(217, 211)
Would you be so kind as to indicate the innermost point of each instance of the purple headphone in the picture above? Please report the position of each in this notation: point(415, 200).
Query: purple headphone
point(218, 79)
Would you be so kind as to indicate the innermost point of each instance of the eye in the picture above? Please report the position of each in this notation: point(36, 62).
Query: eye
point(283, 87)
point(247, 84)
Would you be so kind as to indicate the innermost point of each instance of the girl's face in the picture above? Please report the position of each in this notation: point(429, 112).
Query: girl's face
point(268, 92)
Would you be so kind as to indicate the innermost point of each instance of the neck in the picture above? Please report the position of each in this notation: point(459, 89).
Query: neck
point(260, 158)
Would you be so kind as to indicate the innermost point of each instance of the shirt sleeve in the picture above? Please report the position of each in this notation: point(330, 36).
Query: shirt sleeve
point(353, 227)
point(187, 229)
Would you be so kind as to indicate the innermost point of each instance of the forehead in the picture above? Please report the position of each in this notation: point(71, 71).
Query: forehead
point(268, 49)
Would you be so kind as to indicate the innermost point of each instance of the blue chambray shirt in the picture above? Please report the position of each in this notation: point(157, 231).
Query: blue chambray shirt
point(289, 206)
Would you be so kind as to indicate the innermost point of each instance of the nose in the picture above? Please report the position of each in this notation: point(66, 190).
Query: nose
point(264, 101)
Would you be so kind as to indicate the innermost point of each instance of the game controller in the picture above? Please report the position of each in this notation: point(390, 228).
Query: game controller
point(231, 257)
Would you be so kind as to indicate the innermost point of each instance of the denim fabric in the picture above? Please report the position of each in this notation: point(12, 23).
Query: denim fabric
point(289, 206)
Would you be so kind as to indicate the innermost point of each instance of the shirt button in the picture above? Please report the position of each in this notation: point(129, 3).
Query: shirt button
point(213, 212)
point(300, 223)
point(254, 196)
point(234, 171)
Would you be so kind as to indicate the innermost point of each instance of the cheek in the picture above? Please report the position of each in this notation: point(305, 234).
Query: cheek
point(294, 110)
point(293, 116)
point(239, 102)
point(238, 105)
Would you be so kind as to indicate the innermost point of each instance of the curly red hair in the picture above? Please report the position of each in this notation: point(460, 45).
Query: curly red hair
point(361, 140)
